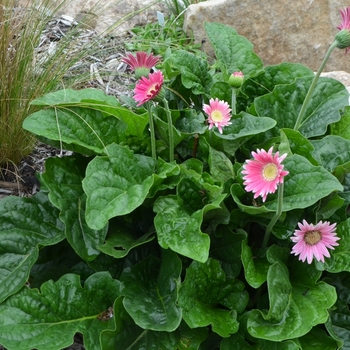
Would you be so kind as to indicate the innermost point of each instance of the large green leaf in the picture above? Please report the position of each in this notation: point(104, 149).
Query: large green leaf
point(342, 127)
point(202, 308)
point(298, 302)
point(284, 103)
point(194, 71)
point(265, 82)
point(127, 335)
point(255, 268)
point(25, 224)
point(237, 342)
point(150, 289)
point(179, 230)
point(331, 151)
point(233, 50)
point(63, 177)
point(226, 246)
point(119, 243)
point(298, 144)
point(84, 121)
point(338, 324)
point(70, 96)
point(304, 185)
point(116, 184)
point(317, 339)
point(339, 260)
point(48, 320)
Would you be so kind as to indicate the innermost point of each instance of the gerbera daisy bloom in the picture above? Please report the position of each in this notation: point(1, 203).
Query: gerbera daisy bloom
point(149, 89)
point(313, 241)
point(343, 37)
point(142, 63)
point(263, 173)
point(218, 113)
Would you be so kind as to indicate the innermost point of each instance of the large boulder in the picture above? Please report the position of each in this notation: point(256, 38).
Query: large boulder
point(114, 16)
point(294, 31)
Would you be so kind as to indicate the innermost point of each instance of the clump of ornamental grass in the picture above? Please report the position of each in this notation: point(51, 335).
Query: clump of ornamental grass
point(23, 76)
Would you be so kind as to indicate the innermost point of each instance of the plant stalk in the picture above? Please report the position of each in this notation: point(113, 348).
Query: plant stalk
point(151, 127)
point(233, 101)
point(312, 87)
point(275, 217)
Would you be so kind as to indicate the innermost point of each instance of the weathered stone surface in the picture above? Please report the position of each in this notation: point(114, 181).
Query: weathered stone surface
point(121, 14)
point(294, 31)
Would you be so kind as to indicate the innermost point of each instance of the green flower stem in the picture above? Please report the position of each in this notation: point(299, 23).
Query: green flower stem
point(233, 101)
point(312, 87)
point(170, 130)
point(151, 127)
point(275, 217)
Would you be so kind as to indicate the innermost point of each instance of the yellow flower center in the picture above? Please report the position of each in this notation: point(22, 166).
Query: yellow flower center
point(312, 237)
point(216, 116)
point(270, 172)
point(152, 90)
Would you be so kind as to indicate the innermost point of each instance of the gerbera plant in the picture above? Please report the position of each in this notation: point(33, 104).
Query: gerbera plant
point(197, 215)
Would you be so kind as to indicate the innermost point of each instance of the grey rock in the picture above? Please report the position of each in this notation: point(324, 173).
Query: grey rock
point(298, 31)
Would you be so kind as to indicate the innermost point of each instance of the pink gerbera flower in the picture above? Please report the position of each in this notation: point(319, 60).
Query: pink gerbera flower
point(313, 241)
point(142, 63)
point(149, 89)
point(343, 37)
point(218, 113)
point(263, 173)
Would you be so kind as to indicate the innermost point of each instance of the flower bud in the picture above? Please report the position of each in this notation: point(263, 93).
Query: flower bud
point(343, 39)
point(236, 79)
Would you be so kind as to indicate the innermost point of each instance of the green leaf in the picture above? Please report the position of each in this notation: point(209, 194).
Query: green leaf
point(299, 144)
point(339, 320)
point(331, 151)
point(339, 260)
point(255, 267)
point(181, 231)
point(243, 127)
point(220, 166)
point(116, 185)
point(245, 124)
point(150, 290)
point(200, 308)
point(304, 185)
point(70, 96)
point(119, 244)
point(233, 50)
point(237, 342)
point(25, 224)
point(127, 335)
point(63, 178)
point(238, 195)
point(284, 103)
point(297, 303)
point(342, 127)
point(88, 125)
point(226, 246)
point(194, 71)
point(222, 91)
point(317, 339)
point(48, 320)
point(264, 82)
